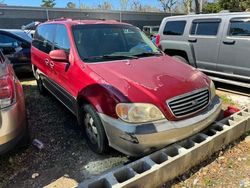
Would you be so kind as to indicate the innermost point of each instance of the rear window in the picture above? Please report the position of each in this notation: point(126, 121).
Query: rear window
point(207, 27)
point(239, 27)
point(174, 28)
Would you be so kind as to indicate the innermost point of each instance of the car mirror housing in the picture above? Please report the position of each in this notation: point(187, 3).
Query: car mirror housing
point(59, 56)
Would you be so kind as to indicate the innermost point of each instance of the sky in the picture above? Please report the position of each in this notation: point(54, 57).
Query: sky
point(63, 3)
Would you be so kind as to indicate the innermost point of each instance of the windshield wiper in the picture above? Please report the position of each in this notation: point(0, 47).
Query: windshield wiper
point(145, 54)
point(109, 57)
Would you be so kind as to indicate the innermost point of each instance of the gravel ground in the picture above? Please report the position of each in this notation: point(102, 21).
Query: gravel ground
point(66, 159)
point(65, 153)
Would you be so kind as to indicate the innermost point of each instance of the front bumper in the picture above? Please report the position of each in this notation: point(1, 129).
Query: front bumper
point(139, 139)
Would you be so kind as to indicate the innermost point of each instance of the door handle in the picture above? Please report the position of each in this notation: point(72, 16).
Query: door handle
point(46, 61)
point(192, 40)
point(229, 42)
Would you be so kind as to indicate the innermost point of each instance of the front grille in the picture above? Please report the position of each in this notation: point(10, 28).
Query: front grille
point(189, 103)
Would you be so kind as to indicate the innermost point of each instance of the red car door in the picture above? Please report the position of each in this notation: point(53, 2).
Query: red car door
point(62, 71)
point(42, 46)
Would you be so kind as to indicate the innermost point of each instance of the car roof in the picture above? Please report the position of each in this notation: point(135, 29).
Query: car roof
point(71, 22)
point(19, 33)
point(210, 15)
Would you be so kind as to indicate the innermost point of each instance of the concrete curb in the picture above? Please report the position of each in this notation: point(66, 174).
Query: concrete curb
point(166, 164)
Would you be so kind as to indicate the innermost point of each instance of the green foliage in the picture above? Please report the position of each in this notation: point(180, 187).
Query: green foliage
point(234, 5)
point(211, 8)
point(48, 3)
point(71, 5)
point(245, 4)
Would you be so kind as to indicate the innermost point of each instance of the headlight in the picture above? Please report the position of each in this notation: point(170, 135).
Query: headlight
point(138, 112)
point(212, 89)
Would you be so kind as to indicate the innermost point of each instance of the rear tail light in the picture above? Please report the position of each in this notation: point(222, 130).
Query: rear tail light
point(158, 39)
point(7, 91)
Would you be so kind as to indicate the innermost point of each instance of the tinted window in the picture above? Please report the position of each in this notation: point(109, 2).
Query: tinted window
point(174, 28)
point(22, 35)
point(239, 27)
point(61, 38)
point(9, 41)
point(205, 27)
point(43, 39)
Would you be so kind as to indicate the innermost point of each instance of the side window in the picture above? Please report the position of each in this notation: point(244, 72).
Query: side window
point(207, 27)
point(43, 38)
point(61, 39)
point(239, 27)
point(174, 28)
point(9, 41)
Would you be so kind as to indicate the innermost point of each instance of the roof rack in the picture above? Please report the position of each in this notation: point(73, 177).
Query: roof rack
point(60, 19)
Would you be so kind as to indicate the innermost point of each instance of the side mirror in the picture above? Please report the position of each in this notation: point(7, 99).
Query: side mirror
point(59, 56)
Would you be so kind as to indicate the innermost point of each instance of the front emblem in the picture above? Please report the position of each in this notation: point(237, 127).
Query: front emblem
point(194, 102)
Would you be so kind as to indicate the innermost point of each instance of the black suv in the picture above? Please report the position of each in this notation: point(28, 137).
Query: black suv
point(15, 44)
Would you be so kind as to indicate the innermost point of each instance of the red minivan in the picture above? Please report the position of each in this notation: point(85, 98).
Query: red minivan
point(124, 91)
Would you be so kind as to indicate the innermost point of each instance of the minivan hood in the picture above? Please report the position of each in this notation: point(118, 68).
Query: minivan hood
point(152, 79)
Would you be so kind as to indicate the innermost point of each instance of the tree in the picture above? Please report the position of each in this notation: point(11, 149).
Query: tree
point(105, 6)
point(124, 4)
point(229, 4)
point(167, 5)
point(197, 6)
point(48, 3)
point(244, 5)
point(187, 6)
point(211, 8)
point(71, 5)
point(136, 5)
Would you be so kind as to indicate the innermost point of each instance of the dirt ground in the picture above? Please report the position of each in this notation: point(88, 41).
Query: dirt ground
point(66, 160)
point(65, 154)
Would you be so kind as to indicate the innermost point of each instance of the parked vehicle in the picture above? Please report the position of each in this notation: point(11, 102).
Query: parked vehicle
point(123, 90)
point(13, 124)
point(217, 44)
point(16, 45)
point(150, 31)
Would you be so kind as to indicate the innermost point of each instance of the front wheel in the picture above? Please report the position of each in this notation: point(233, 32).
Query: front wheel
point(94, 132)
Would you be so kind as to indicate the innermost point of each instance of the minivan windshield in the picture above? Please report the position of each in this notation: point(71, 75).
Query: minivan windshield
point(105, 42)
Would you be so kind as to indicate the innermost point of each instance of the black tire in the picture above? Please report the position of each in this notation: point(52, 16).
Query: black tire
point(180, 58)
point(42, 90)
point(92, 124)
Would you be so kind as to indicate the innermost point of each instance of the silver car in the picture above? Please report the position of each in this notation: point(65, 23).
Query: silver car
point(13, 124)
point(217, 44)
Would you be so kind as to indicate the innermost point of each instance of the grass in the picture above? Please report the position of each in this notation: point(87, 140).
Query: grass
point(227, 100)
